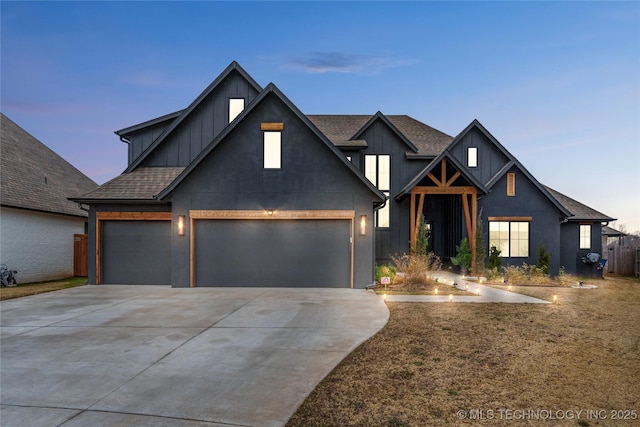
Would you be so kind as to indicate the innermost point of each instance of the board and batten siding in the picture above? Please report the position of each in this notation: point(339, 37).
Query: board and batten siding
point(202, 125)
point(38, 245)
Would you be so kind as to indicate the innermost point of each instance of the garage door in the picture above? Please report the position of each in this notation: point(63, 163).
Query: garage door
point(288, 253)
point(136, 252)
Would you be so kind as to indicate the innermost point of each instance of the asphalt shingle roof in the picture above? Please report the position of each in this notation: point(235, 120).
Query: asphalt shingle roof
point(141, 184)
point(341, 128)
point(577, 209)
point(34, 177)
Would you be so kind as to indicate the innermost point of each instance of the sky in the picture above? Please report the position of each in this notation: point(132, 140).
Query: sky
point(557, 83)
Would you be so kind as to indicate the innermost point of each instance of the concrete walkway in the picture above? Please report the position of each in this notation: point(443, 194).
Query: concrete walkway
point(156, 356)
point(486, 293)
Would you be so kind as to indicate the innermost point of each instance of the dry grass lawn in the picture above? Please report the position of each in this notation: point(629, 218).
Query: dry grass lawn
point(39, 288)
point(433, 360)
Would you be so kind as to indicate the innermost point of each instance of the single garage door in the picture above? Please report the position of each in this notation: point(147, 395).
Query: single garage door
point(287, 253)
point(136, 252)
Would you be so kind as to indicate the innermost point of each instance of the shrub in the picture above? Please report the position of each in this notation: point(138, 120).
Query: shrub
point(416, 267)
point(544, 259)
point(495, 260)
point(525, 274)
point(385, 271)
point(463, 259)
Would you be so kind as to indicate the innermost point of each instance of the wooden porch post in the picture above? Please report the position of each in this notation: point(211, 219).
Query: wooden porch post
point(412, 221)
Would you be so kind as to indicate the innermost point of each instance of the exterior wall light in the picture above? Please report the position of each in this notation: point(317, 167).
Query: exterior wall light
point(270, 212)
point(180, 225)
point(363, 225)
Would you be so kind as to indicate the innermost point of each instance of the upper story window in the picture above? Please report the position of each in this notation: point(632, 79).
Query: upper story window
point(585, 236)
point(472, 157)
point(236, 105)
point(272, 150)
point(377, 169)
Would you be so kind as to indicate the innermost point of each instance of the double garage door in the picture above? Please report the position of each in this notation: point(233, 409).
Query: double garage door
point(232, 252)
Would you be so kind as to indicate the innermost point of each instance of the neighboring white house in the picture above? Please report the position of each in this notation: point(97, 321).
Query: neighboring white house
point(37, 221)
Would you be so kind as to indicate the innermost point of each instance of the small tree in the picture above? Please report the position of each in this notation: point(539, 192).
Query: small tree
point(463, 259)
point(544, 259)
point(495, 259)
point(481, 251)
point(422, 239)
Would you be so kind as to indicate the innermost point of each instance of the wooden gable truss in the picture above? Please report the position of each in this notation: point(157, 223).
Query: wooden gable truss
point(444, 184)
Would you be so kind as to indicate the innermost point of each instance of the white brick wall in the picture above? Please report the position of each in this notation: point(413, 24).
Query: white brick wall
point(38, 245)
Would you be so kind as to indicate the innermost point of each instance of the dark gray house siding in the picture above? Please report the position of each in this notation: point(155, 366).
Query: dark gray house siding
point(544, 226)
point(299, 224)
point(382, 140)
point(313, 177)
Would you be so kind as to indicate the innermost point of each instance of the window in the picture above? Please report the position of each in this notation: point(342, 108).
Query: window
point(349, 158)
point(236, 105)
point(377, 169)
point(585, 236)
point(272, 150)
point(472, 157)
point(510, 237)
point(511, 184)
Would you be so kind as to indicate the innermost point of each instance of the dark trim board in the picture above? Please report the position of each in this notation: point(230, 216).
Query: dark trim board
point(251, 216)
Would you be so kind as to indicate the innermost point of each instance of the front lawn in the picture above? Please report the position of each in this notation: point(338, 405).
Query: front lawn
point(501, 364)
point(41, 287)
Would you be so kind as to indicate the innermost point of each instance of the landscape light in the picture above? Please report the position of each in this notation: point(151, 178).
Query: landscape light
point(436, 291)
point(555, 298)
point(450, 297)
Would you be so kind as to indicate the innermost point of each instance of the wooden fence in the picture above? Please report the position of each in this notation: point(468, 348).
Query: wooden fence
point(623, 256)
point(80, 255)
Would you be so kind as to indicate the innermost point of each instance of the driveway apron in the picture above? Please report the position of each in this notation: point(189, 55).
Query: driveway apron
point(156, 356)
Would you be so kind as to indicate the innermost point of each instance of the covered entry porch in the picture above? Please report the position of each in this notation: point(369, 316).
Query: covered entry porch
point(446, 198)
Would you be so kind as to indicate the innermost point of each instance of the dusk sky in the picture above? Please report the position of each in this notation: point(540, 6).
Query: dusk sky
point(557, 83)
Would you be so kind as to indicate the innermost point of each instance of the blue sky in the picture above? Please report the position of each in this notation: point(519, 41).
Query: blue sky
point(557, 83)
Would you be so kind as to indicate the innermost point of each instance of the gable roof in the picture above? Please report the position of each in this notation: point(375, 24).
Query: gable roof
point(32, 176)
point(577, 210)
point(234, 66)
point(270, 89)
point(394, 129)
point(513, 162)
point(143, 184)
point(436, 164)
point(123, 133)
point(344, 130)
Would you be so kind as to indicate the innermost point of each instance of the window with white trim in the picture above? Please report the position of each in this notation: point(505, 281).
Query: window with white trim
point(585, 236)
point(236, 105)
point(272, 150)
point(472, 157)
point(510, 237)
point(377, 169)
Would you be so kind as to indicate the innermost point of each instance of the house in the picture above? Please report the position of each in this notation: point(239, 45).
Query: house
point(37, 221)
point(243, 189)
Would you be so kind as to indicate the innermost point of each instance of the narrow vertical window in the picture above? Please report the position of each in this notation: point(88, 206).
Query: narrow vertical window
point(236, 105)
point(272, 150)
point(472, 157)
point(377, 169)
point(511, 184)
point(585, 236)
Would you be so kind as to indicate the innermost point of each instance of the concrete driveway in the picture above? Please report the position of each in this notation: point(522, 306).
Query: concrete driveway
point(156, 356)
